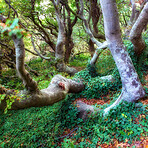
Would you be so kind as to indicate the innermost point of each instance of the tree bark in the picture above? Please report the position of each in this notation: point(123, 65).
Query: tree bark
point(136, 31)
point(91, 47)
point(133, 15)
point(59, 53)
point(28, 82)
point(97, 53)
point(95, 14)
point(57, 90)
point(88, 31)
point(1, 57)
point(132, 89)
point(68, 48)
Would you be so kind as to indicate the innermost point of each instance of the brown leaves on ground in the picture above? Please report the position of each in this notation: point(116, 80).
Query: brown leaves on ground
point(137, 144)
point(92, 101)
point(144, 100)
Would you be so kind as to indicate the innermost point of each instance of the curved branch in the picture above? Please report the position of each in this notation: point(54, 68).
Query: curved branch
point(99, 44)
point(12, 8)
point(57, 90)
point(43, 57)
point(132, 89)
point(132, 18)
point(136, 31)
point(3, 44)
point(31, 52)
point(97, 53)
point(87, 25)
point(28, 82)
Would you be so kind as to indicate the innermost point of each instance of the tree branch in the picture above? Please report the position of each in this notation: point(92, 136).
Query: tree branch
point(136, 31)
point(43, 57)
point(28, 82)
point(12, 8)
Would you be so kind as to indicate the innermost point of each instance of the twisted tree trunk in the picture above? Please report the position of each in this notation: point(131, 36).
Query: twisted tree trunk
point(132, 89)
point(28, 82)
point(57, 90)
point(59, 53)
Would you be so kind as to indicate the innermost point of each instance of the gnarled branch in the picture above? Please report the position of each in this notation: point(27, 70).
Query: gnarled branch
point(136, 31)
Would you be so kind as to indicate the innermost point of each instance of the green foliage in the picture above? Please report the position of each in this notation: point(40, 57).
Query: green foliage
point(33, 127)
point(68, 143)
point(12, 28)
point(125, 122)
point(80, 60)
point(92, 70)
point(45, 126)
point(94, 87)
point(105, 64)
point(10, 80)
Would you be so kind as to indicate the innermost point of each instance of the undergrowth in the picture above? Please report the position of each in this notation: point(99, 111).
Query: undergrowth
point(46, 126)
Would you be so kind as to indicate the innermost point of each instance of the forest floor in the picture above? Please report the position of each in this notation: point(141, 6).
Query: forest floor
point(143, 143)
point(39, 127)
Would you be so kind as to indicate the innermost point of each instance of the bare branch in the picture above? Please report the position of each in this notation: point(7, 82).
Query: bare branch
point(31, 52)
point(87, 27)
point(3, 44)
point(43, 57)
point(31, 70)
point(12, 8)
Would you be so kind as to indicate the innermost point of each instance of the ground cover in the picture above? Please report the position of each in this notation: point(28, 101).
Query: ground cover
point(58, 125)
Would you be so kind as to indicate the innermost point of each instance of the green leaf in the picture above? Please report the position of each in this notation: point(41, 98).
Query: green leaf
point(15, 23)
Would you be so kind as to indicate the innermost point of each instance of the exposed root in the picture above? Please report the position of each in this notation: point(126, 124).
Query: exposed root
point(106, 111)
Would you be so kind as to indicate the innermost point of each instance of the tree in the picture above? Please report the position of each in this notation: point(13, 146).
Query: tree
point(57, 90)
point(38, 22)
point(59, 52)
point(132, 89)
point(135, 13)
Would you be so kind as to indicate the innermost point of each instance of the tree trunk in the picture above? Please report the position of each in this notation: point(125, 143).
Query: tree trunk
point(57, 90)
point(95, 14)
point(133, 15)
point(1, 57)
point(132, 89)
point(91, 47)
point(59, 53)
point(97, 53)
point(68, 48)
point(28, 82)
point(136, 31)
point(88, 31)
